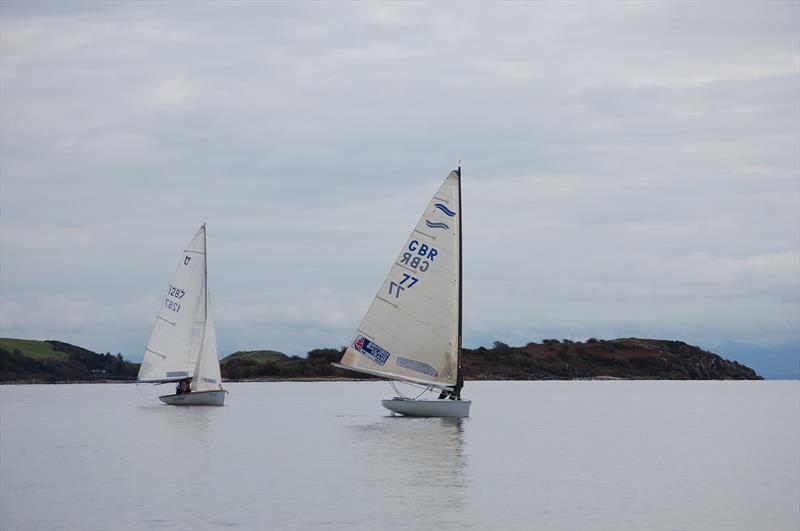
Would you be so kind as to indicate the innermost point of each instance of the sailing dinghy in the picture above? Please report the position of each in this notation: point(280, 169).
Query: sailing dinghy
point(183, 345)
point(412, 331)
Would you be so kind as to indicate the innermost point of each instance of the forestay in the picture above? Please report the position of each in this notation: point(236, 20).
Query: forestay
point(410, 331)
point(172, 351)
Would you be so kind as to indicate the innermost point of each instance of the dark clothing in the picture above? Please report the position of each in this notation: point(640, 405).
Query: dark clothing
point(455, 394)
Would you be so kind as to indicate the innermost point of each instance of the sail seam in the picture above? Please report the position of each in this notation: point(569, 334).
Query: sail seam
point(408, 316)
point(425, 234)
point(387, 302)
point(398, 264)
point(156, 353)
point(165, 320)
point(397, 338)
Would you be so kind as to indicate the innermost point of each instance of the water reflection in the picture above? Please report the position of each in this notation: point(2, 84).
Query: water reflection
point(419, 463)
point(179, 425)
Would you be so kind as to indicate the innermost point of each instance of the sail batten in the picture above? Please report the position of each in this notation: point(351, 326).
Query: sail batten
point(414, 336)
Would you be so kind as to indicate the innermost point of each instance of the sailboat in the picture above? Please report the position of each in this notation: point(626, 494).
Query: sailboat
point(412, 331)
point(183, 345)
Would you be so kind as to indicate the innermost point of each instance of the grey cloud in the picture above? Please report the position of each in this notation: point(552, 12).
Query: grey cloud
point(629, 168)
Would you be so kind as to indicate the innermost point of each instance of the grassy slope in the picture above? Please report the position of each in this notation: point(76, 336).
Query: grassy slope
point(32, 349)
point(51, 361)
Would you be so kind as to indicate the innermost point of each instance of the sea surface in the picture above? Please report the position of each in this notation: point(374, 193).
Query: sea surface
point(326, 456)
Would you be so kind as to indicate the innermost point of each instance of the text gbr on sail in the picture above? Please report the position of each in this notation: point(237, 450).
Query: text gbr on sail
point(425, 255)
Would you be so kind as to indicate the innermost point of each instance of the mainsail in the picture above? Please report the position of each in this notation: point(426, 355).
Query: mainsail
point(411, 330)
point(175, 342)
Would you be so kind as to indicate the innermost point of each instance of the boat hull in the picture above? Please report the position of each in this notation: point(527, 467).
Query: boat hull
point(196, 398)
point(428, 408)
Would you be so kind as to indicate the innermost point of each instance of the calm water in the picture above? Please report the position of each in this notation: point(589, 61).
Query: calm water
point(319, 456)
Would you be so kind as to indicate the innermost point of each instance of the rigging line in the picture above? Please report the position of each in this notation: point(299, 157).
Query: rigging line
point(396, 390)
point(143, 395)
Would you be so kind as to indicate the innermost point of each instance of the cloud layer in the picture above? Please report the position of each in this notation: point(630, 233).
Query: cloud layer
point(629, 169)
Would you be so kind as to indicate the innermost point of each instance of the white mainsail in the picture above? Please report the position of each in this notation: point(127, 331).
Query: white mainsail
point(173, 349)
point(411, 330)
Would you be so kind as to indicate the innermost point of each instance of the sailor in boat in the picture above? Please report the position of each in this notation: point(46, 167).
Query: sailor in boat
point(455, 393)
point(183, 387)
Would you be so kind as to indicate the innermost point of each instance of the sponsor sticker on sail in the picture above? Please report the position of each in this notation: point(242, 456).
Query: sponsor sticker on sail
point(371, 350)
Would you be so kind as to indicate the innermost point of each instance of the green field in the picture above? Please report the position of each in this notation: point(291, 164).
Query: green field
point(31, 348)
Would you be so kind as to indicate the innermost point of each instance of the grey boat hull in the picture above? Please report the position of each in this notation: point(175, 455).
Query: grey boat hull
point(196, 398)
point(428, 408)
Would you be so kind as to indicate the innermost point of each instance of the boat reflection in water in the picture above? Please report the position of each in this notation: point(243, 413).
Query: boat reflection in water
point(417, 464)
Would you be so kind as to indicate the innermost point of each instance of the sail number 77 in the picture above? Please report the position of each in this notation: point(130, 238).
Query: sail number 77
point(396, 287)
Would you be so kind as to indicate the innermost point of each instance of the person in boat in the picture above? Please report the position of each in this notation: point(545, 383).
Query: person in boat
point(182, 387)
point(455, 394)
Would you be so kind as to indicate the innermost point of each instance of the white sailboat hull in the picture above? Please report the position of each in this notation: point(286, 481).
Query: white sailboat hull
point(196, 398)
point(428, 408)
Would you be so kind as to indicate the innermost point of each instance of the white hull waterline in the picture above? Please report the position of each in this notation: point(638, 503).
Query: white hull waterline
point(428, 408)
point(196, 398)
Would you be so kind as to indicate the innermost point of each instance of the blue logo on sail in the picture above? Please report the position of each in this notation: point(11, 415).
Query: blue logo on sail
point(445, 209)
point(436, 224)
point(371, 350)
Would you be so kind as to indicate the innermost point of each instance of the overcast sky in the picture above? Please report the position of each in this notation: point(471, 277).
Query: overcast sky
point(629, 169)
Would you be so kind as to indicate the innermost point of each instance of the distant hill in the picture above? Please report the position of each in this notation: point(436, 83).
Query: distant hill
point(271, 364)
point(552, 359)
point(653, 359)
point(630, 358)
point(27, 360)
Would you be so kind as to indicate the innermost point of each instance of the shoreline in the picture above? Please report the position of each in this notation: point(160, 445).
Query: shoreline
point(340, 379)
point(36, 381)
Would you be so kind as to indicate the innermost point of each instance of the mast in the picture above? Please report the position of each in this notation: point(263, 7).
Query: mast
point(459, 375)
point(205, 275)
